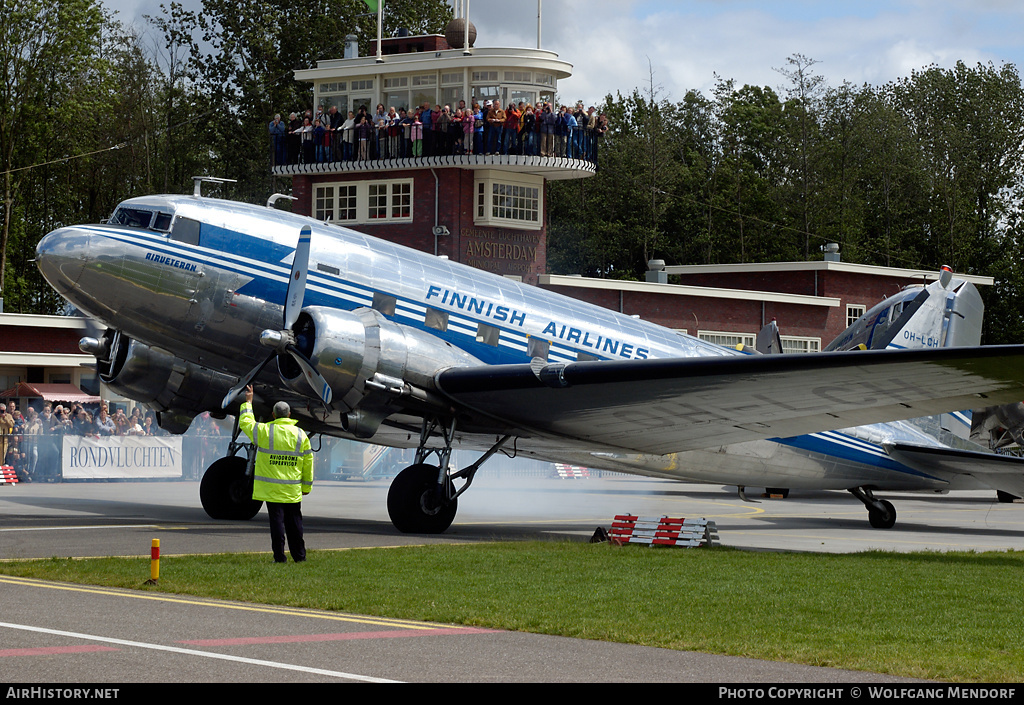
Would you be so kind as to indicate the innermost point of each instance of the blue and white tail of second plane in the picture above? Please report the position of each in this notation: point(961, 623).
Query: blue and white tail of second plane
point(945, 313)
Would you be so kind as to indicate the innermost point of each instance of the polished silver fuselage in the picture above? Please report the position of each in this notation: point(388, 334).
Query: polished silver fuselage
point(204, 293)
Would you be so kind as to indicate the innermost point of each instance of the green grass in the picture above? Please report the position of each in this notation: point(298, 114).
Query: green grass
point(952, 616)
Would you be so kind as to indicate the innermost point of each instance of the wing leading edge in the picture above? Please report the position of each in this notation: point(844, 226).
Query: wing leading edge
point(679, 404)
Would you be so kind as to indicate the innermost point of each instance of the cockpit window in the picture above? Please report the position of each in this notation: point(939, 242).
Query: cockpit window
point(132, 217)
point(162, 222)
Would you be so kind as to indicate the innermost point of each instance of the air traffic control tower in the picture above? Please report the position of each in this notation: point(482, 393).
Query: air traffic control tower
point(479, 204)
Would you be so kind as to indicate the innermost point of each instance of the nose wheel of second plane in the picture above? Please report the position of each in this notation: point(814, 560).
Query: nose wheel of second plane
point(417, 504)
point(881, 513)
point(884, 517)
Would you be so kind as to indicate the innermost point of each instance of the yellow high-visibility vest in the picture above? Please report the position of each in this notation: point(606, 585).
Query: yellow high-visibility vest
point(284, 459)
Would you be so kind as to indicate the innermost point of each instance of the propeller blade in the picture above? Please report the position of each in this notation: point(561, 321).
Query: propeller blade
point(297, 280)
point(315, 379)
point(244, 382)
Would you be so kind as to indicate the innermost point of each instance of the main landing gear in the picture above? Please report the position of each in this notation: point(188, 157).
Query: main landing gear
point(423, 498)
point(226, 488)
point(881, 514)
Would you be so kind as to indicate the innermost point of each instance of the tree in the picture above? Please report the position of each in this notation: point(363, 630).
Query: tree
point(45, 49)
point(610, 225)
point(969, 125)
point(802, 113)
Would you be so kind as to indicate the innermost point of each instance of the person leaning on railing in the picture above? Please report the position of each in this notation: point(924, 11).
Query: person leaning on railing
point(496, 120)
point(278, 132)
point(527, 123)
point(468, 129)
point(416, 134)
point(348, 137)
point(548, 125)
point(510, 141)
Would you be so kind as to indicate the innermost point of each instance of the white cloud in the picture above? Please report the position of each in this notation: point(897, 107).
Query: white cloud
point(608, 42)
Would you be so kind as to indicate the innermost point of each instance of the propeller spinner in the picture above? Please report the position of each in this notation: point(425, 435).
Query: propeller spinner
point(282, 342)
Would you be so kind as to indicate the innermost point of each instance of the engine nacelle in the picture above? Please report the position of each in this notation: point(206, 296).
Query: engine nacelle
point(167, 384)
point(369, 361)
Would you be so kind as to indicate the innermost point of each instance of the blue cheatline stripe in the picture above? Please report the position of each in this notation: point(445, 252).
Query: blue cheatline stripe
point(840, 445)
point(268, 278)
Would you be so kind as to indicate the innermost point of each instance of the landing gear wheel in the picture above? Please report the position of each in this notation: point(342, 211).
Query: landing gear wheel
point(882, 518)
point(413, 503)
point(1006, 497)
point(225, 491)
point(781, 491)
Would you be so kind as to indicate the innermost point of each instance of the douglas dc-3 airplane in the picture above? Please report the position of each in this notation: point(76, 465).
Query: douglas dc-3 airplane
point(375, 342)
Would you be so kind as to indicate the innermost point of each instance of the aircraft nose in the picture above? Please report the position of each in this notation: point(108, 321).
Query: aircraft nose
point(62, 256)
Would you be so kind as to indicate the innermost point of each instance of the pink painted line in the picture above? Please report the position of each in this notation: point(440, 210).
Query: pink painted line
point(43, 650)
point(397, 633)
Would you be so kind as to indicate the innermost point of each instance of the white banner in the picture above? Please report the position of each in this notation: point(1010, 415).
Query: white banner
point(121, 457)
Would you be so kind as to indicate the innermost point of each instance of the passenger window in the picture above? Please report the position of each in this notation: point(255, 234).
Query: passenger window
point(538, 347)
point(488, 335)
point(185, 230)
point(438, 320)
point(384, 303)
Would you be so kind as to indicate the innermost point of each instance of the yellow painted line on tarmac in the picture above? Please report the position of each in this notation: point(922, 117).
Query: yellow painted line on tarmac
point(81, 528)
point(266, 609)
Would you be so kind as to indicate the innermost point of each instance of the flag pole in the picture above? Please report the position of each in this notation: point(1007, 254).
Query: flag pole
point(380, 30)
point(538, 23)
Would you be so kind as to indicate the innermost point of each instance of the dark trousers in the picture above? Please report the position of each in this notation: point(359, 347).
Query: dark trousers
point(286, 520)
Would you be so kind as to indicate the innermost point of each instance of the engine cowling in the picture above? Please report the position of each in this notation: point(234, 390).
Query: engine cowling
point(175, 388)
point(373, 364)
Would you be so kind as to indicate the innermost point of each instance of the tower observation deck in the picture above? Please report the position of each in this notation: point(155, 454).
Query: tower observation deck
point(438, 183)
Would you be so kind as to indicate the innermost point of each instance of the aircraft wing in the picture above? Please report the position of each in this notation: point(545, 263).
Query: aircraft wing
point(672, 405)
point(1000, 472)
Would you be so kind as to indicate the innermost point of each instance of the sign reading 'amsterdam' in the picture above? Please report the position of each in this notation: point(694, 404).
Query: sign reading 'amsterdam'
point(121, 457)
point(500, 251)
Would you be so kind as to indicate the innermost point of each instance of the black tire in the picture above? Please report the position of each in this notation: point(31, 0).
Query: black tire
point(225, 491)
point(783, 491)
point(413, 505)
point(1006, 497)
point(884, 519)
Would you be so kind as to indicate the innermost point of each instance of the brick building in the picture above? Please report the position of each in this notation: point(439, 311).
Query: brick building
point(43, 350)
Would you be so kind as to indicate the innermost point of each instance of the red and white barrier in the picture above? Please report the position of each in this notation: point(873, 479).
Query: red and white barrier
point(663, 531)
point(7, 475)
point(571, 472)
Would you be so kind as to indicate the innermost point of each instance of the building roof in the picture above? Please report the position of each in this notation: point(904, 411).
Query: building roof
point(922, 274)
point(50, 392)
point(41, 321)
point(678, 290)
point(505, 57)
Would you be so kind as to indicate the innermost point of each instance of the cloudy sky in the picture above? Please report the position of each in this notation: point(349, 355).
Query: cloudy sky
point(614, 44)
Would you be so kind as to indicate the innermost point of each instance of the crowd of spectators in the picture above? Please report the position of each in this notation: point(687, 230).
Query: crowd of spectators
point(482, 128)
point(31, 442)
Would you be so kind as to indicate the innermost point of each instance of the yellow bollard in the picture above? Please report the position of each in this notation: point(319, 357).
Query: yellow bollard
point(154, 562)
